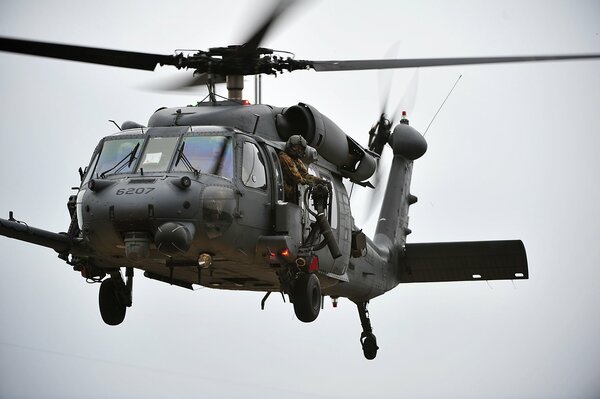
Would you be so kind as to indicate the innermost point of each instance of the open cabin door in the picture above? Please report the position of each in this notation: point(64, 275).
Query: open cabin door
point(293, 218)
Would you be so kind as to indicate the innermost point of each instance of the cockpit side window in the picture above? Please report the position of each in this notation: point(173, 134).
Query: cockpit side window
point(254, 174)
point(90, 170)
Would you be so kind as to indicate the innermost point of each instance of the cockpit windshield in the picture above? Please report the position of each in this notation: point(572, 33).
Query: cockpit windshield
point(158, 154)
point(204, 154)
point(118, 156)
point(207, 154)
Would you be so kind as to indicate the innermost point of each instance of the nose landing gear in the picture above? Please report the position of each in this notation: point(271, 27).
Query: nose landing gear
point(115, 297)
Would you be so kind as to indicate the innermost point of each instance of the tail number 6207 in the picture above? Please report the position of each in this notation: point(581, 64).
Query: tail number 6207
point(132, 191)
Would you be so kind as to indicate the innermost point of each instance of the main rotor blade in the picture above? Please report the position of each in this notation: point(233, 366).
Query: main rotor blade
point(93, 55)
point(256, 38)
point(357, 65)
point(185, 82)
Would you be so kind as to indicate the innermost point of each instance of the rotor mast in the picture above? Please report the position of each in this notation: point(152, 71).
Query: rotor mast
point(235, 87)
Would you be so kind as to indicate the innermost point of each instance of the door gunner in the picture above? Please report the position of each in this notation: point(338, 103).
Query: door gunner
point(294, 170)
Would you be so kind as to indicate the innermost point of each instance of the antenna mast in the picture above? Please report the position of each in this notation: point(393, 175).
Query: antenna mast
point(258, 89)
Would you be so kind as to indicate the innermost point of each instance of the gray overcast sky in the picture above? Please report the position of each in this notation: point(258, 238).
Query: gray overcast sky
point(513, 154)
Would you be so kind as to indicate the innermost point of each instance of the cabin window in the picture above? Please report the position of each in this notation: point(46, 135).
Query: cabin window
point(207, 154)
point(118, 156)
point(253, 167)
point(334, 203)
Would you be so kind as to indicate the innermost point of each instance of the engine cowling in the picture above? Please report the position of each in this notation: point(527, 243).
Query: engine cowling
point(328, 139)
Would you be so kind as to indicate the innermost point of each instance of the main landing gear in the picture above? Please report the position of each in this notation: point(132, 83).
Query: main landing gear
point(115, 297)
point(304, 291)
point(306, 296)
point(367, 338)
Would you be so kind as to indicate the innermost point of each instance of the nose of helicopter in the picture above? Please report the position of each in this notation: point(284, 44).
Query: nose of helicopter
point(157, 217)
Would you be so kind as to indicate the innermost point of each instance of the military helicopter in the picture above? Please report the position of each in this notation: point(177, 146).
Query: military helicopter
point(196, 196)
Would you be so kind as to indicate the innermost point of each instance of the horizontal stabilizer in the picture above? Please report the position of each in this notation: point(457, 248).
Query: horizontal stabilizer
point(464, 261)
point(21, 231)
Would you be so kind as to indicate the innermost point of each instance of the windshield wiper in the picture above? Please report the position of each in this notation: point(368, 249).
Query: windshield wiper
point(181, 157)
point(121, 164)
point(219, 165)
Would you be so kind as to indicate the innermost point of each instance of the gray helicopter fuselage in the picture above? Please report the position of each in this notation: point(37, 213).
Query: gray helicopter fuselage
point(198, 197)
point(236, 214)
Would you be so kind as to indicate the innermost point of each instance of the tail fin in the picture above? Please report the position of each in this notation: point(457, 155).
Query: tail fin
point(392, 227)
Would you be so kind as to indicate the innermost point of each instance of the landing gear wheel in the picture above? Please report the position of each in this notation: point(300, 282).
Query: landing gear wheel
point(111, 308)
point(369, 345)
point(307, 297)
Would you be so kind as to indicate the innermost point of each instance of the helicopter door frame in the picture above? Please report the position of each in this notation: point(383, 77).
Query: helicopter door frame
point(252, 191)
point(277, 183)
point(343, 224)
point(341, 220)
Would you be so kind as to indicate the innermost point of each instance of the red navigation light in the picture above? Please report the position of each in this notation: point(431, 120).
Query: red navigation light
point(404, 119)
point(314, 265)
point(246, 102)
point(285, 253)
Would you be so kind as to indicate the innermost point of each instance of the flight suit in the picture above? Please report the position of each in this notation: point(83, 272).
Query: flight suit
point(294, 173)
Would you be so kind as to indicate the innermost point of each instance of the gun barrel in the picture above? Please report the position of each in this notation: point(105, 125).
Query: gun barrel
point(20, 231)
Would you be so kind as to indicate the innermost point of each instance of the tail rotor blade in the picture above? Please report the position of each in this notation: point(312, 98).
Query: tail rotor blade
point(406, 103)
point(385, 79)
point(408, 100)
point(374, 195)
